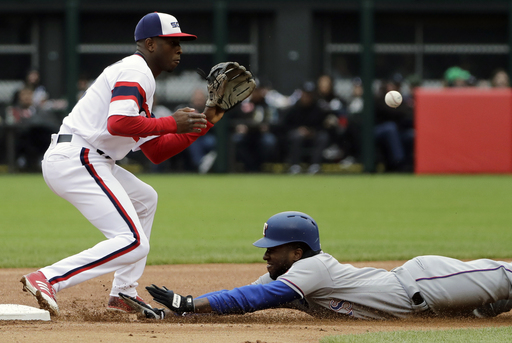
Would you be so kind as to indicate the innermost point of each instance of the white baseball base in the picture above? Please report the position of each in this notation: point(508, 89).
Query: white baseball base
point(22, 312)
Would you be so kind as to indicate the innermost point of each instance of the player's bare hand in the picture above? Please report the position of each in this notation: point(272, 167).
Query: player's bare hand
point(214, 114)
point(188, 120)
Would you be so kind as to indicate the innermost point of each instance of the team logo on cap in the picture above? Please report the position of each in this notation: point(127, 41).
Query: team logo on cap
point(265, 227)
point(175, 24)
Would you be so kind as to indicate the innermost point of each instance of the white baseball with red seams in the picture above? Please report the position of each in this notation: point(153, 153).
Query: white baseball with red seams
point(393, 99)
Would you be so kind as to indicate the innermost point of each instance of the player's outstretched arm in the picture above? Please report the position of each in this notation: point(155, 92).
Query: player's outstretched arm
point(202, 305)
point(240, 300)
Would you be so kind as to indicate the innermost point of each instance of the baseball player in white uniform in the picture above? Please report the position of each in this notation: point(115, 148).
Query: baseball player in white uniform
point(112, 118)
point(300, 275)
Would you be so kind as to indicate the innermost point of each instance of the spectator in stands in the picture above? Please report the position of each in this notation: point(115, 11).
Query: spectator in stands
point(336, 120)
point(23, 107)
point(352, 138)
point(304, 123)
point(458, 77)
point(253, 122)
point(278, 100)
point(81, 85)
point(40, 98)
point(34, 126)
point(327, 97)
point(350, 141)
point(407, 130)
point(500, 79)
point(33, 82)
point(394, 132)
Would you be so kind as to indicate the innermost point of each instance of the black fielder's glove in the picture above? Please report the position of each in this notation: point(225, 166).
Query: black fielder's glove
point(175, 302)
point(141, 307)
point(228, 84)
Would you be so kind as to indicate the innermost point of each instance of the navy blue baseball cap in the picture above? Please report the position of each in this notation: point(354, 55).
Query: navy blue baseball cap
point(160, 25)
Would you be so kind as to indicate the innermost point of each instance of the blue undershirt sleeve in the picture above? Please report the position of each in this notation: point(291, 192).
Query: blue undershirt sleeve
point(252, 298)
point(212, 293)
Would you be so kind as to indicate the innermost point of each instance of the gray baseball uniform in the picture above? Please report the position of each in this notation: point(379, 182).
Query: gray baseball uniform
point(444, 284)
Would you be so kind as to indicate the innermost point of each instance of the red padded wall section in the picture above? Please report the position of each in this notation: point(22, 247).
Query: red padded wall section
point(463, 130)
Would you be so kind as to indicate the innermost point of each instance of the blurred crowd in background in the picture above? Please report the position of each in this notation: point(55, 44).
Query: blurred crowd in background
point(313, 126)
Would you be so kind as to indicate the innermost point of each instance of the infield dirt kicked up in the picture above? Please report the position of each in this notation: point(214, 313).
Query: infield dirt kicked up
point(84, 316)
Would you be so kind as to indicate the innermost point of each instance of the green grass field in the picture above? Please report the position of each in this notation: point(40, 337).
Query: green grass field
point(215, 218)
point(444, 336)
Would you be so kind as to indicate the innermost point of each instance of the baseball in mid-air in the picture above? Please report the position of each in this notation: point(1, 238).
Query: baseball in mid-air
point(393, 99)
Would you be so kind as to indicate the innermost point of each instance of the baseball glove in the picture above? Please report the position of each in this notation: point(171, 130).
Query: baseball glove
point(228, 85)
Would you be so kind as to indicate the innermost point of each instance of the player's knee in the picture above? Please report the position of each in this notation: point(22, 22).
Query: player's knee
point(153, 198)
point(150, 198)
point(144, 244)
point(142, 249)
point(138, 246)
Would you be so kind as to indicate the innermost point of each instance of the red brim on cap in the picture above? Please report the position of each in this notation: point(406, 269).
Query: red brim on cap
point(181, 36)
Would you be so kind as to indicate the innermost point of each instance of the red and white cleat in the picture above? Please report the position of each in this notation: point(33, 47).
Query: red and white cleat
point(38, 286)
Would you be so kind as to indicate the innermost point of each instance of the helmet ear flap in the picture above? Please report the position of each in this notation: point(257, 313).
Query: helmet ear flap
point(306, 250)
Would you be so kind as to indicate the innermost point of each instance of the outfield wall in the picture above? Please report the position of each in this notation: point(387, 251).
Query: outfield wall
point(463, 130)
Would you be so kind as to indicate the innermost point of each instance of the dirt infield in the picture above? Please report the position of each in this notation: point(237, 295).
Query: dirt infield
point(84, 317)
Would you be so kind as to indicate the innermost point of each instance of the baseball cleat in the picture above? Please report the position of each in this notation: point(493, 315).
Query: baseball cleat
point(38, 286)
point(118, 304)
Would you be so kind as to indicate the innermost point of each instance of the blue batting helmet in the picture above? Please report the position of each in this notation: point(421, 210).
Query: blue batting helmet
point(288, 227)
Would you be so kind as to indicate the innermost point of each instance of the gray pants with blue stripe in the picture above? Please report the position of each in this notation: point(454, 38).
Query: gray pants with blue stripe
point(450, 286)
